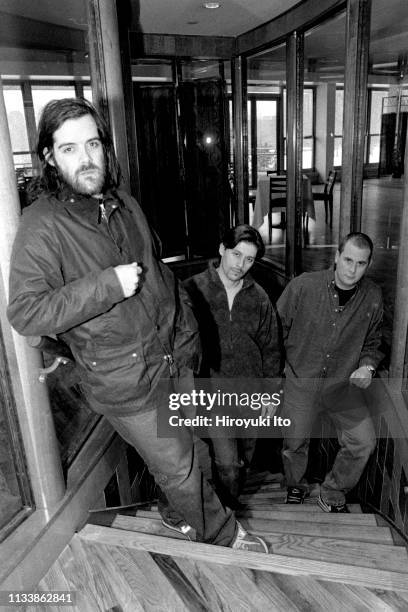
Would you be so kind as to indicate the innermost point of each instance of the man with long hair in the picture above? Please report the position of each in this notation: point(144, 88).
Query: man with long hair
point(85, 269)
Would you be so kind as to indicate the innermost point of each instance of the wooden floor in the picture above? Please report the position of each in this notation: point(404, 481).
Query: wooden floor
point(317, 561)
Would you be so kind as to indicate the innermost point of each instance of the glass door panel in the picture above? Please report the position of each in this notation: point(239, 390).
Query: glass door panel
point(266, 75)
point(383, 196)
point(324, 55)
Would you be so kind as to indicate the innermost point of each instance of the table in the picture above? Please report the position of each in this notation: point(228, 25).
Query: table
point(262, 200)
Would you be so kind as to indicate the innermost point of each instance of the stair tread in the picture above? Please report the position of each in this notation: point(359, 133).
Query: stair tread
point(315, 516)
point(274, 563)
point(310, 513)
point(358, 533)
point(361, 554)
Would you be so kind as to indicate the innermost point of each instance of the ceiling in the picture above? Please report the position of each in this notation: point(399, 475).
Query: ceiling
point(187, 17)
point(388, 38)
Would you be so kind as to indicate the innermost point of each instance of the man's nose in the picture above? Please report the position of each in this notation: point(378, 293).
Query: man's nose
point(85, 155)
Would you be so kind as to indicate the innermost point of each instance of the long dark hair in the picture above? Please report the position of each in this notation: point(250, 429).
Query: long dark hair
point(54, 114)
point(244, 233)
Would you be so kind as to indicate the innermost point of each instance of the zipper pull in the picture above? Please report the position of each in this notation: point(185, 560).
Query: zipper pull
point(170, 360)
point(102, 213)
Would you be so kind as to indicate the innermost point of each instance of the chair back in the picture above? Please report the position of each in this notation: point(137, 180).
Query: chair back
point(277, 191)
point(331, 179)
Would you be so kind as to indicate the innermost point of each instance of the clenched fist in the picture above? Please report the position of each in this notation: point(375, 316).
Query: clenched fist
point(128, 276)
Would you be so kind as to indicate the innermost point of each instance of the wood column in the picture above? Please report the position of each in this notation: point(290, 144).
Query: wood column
point(240, 127)
point(294, 97)
point(354, 114)
point(106, 75)
point(29, 395)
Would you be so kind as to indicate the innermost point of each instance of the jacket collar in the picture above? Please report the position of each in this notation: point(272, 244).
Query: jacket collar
point(88, 206)
point(215, 278)
point(331, 281)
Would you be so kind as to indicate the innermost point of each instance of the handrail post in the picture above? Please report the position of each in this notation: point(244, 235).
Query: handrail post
point(30, 396)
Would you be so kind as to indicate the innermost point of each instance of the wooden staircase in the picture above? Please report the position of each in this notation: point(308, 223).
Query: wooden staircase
point(317, 561)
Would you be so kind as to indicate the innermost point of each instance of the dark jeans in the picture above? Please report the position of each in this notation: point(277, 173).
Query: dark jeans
point(173, 462)
point(230, 457)
point(345, 407)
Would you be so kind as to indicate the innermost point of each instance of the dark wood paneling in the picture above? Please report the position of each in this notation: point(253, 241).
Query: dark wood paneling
point(161, 185)
point(354, 113)
point(240, 123)
point(202, 117)
point(168, 45)
point(294, 72)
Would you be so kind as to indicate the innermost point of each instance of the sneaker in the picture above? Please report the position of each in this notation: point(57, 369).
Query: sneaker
point(246, 541)
point(181, 527)
point(341, 508)
point(295, 495)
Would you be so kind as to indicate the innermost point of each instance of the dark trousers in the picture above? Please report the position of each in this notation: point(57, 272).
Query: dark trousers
point(344, 405)
point(173, 462)
point(230, 457)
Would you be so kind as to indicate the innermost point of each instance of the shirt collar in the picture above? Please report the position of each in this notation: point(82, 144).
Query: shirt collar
point(331, 281)
point(213, 266)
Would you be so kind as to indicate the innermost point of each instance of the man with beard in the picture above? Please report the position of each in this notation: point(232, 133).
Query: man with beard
point(85, 269)
point(239, 337)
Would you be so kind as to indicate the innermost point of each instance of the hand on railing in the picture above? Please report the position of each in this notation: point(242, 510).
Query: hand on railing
point(48, 345)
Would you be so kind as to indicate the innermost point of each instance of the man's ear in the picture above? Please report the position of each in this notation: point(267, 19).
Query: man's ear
point(336, 257)
point(221, 250)
point(48, 156)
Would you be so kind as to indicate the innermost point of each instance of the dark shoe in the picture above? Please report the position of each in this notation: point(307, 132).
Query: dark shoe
point(342, 508)
point(295, 495)
point(246, 541)
point(182, 527)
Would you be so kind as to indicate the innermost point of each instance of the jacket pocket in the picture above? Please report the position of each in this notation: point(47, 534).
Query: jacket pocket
point(115, 375)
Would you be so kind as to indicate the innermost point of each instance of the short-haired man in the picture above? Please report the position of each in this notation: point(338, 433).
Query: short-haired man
point(84, 267)
point(331, 322)
point(239, 337)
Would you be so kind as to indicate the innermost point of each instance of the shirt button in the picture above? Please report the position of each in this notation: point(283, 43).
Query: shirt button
point(335, 295)
point(336, 310)
point(94, 363)
point(334, 325)
point(134, 354)
point(328, 355)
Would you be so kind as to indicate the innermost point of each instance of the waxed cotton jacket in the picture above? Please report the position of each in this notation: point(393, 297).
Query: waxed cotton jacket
point(63, 283)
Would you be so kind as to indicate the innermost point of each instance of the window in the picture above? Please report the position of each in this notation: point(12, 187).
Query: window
point(375, 101)
point(13, 99)
point(308, 129)
point(44, 93)
point(338, 127)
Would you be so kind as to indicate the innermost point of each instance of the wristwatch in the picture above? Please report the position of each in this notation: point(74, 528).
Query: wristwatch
point(371, 369)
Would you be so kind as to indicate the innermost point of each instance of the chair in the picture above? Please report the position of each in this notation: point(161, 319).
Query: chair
point(277, 199)
point(326, 196)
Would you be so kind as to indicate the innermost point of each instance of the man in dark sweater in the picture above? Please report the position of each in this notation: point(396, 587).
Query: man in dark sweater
point(239, 336)
point(331, 322)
